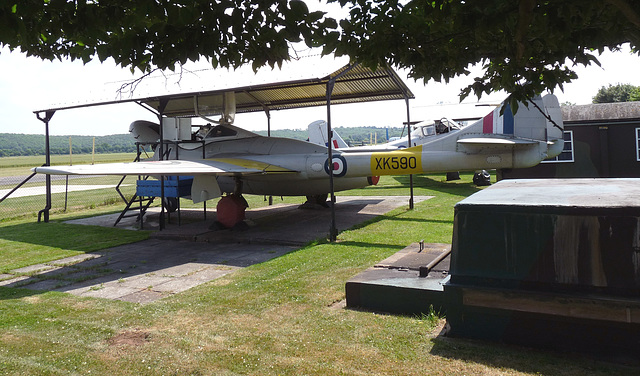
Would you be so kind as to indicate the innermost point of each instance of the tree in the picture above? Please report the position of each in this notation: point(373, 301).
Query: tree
point(147, 34)
point(524, 46)
point(617, 93)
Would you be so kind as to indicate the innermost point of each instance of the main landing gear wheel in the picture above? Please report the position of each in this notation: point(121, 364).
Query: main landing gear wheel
point(482, 178)
point(170, 204)
point(316, 202)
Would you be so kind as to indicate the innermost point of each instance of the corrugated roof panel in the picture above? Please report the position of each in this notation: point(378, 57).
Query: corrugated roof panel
point(354, 84)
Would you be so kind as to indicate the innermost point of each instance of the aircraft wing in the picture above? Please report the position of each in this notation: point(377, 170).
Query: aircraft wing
point(217, 166)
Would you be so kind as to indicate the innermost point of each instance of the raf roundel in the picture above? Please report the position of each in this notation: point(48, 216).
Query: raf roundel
point(339, 166)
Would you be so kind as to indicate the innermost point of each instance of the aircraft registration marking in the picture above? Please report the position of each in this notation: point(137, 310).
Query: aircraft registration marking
point(407, 161)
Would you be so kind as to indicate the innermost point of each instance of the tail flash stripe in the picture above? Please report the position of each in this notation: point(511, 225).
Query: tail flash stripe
point(508, 126)
point(487, 123)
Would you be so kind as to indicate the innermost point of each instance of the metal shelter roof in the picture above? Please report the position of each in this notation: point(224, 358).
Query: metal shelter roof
point(349, 84)
point(355, 84)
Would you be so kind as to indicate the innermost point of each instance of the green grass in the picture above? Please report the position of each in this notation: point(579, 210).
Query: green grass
point(21, 166)
point(275, 318)
point(38, 160)
point(25, 207)
point(28, 243)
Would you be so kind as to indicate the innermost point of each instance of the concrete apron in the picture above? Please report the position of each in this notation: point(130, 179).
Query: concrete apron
point(187, 255)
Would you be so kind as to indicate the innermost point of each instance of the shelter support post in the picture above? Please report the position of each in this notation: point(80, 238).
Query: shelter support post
point(407, 95)
point(268, 113)
point(163, 104)
point(406, 101)
point(333, 230)
point(44, 213)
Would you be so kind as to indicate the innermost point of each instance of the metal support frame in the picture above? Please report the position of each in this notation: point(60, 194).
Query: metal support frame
point(406, 100)
point(45, 212)
point(163, 105)
point(17, 187)
point(406, 96)
point(333, 230)
point(268, 113)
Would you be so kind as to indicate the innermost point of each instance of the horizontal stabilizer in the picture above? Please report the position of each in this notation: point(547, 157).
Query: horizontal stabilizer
point(495, 141)
point(493, 144)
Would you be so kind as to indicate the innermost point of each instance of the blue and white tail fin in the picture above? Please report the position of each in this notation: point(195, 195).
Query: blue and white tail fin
point(318, 135)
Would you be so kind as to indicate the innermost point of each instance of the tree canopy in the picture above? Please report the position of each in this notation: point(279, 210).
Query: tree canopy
point(525, 46)
point(617, 93)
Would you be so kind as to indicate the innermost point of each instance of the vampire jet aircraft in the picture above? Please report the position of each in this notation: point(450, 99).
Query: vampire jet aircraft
point(230, 160)
point(427, 132)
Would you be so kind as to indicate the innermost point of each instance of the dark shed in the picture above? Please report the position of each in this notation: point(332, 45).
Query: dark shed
point(601, 140)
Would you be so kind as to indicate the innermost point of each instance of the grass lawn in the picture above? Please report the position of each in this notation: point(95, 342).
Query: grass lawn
point(280, 317)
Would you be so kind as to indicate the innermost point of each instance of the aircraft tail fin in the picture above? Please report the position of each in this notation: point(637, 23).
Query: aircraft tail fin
point(318, 135)
point(540, 120)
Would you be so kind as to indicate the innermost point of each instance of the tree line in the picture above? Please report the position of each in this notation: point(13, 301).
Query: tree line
point(353, 136)
point(617, 93)
point(13, 145)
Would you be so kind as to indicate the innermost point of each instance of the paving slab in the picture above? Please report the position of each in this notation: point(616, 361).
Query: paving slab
point(184, 256)
point(143, 296)
point(73, 259)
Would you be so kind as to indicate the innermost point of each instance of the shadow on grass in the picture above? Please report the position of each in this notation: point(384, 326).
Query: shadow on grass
point(539, 361)
point(69, 237)
point(458, 188)
point(7, 293)
point(349, 243)
point(396, 218)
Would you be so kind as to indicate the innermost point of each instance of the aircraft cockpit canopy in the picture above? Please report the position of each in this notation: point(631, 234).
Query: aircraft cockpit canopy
point(208, 132)
point(441, 126)
point(428, 130)
point(445, 125)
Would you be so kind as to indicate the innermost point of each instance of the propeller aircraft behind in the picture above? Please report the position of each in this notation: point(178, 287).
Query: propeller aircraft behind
point(493, 125)
point(230, 160)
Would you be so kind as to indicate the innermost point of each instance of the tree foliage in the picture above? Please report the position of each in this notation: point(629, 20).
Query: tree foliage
point(145, 34)
point(617, 93)
point(353, 136)
point(524, 46)
point(31, 144)
point(12, 144)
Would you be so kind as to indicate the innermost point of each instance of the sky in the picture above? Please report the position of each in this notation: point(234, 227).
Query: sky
point(28, 84)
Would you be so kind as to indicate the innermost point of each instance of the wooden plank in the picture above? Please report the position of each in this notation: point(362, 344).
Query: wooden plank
point(609, 309)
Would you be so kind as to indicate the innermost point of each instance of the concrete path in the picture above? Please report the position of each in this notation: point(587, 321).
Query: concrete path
point(181, 257)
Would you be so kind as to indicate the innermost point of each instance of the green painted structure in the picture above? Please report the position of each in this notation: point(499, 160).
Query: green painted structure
point(601, 141)
point(549, 263)
point(552, 263)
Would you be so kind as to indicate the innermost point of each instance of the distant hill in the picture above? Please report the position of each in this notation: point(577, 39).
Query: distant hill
point(33, 144)
point(12, 145)
point(354, 136)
